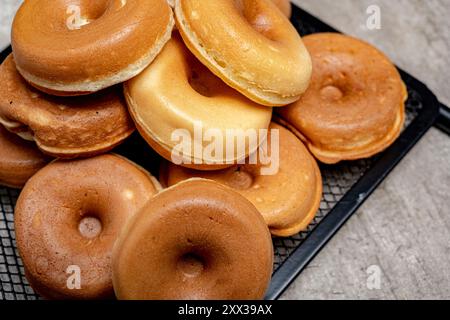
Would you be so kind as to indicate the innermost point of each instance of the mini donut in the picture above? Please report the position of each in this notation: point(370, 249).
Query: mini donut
point(176, 92)
point(284, 6)
point(78, 47)
point(63, 127)
point(249, 44)
point(355, 105)
point(70, 214)
point(19, 159)
point(288, 200)
point(197, 240)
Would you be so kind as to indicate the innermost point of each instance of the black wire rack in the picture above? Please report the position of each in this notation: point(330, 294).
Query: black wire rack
point(345, 187)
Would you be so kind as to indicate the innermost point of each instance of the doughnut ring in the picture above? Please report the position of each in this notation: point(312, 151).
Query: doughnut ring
point(187, 243)
point(70, 47)
point(68, 217)
point(63, 127)
point(250, 45)
point(176, 93)
point(355, 105)
point(288, 200)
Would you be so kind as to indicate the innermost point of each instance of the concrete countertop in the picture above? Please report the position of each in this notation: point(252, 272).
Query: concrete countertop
point(403, 230)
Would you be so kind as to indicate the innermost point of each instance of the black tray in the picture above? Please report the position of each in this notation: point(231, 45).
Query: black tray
point(346, 186)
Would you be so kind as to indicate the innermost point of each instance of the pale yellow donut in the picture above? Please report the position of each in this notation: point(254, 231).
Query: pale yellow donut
point(250, 45)
point(176, 92)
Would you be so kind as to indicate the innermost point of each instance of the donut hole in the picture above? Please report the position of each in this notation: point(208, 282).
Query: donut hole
point(90, 227)
point(262, 25)
point(240, 179)
point(191, 264)
point(87, 12)
point(338, 83)
point(257, 18)
point(332, 92)
point(198, 82)
point(203, 81)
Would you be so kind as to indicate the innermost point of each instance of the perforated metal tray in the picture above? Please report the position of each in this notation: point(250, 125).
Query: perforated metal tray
point(345, 186)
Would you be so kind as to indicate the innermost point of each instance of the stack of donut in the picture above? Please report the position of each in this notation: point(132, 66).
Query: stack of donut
point(91, 224)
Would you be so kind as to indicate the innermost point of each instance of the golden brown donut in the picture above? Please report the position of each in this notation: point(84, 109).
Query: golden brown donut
point(284, 6)
point(288, 200)
point(176, 92)
point(19, 159)
point(70, 47)
point(70, 214)
point(249, 44)
point(354, 107)
point(63, 127)
point(196, 240)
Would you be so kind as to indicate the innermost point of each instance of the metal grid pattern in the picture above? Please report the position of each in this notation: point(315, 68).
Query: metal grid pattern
point(337, 180)
point(13, 284)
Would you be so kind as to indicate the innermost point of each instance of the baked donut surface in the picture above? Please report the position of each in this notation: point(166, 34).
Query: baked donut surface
point(63, 127)
point(69, 47)
point(196, 240)
point(249, 44)
point(354, 107)
point(284, 6)
point(70, 214)
point(19, 159)
point(288, 199)
point(176, 92)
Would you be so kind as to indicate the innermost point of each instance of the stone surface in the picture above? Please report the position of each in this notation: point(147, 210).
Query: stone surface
point(404, 227)
point(7, 10)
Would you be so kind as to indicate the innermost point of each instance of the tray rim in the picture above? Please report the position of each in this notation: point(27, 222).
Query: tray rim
point(443, 120)
point(289, 270)
point(434, 113)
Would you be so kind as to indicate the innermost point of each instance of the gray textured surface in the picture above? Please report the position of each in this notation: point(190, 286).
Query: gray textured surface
point(404, 228)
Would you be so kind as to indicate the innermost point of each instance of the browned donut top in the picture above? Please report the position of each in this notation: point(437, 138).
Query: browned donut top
point(288, 198)
point(197, 240)
point(70, 214)
point(249, 44)
point(88, 45)
point(64, 127)
point(355, 97)
point(19, 159)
